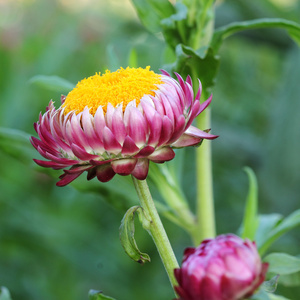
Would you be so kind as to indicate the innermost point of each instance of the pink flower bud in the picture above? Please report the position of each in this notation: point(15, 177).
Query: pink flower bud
point(224, 268)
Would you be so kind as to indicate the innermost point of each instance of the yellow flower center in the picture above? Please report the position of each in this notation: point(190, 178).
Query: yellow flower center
point(115, 88)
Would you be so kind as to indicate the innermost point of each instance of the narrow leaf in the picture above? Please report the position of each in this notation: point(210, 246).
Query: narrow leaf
point(52, 83)
point(282, 263)
point(202, 60)
point(290, 222)
point(16, 144)
point(126, 233)
point(222, 33)
point(4, 294)
point(151, 12)
point(250, 222)
point(270, 286)
point(266, 224)
point(133, 59)
point(98, 295)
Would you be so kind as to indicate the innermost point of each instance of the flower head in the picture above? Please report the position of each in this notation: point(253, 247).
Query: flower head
point(117, 122)
point(224, 268)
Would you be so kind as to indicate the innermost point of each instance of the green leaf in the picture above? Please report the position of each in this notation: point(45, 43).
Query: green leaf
point(98, 295)
point(250, 222)
point(222, 33)
point(266, 224)
point(127, 234)
point(174, 27)
point(270, 286)
point(4, 294)
point(290, 279)
point(277, 297)
point(282, 263)
point(16, 144)
point(133, 59)
point(290, 222)
point(113, 60)
point(151, 12)
point(262, 295)
point(52, 83)
point(202, 60)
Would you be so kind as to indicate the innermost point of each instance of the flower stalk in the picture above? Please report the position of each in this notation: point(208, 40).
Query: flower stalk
point(205, 199)
point(156, 229)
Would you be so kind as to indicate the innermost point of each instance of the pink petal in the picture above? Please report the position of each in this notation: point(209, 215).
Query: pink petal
point(111, 144)
point(129, 147)
point(166, 132)
point(67, 178)
point(82, 154)
point(162, 155)
point(135, 125)
point(123, 166)
point(105, 172)
point(141, 169)
point(146, 151)
point(118, 127)
point(186, 140)
point(49, 164)
point(194, 131)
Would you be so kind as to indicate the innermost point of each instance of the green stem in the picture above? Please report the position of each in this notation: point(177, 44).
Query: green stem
point(156, 229)
point(205, 202)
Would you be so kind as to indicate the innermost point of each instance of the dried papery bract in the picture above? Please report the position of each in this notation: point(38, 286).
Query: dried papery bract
point(117, 122)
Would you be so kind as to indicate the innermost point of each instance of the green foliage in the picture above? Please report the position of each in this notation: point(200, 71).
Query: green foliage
point(151, 12)
point(283, 226)
point(52, 83)
point(250, 222)
point(4, 294)
point(203, 60)
point(127, 234)
point(222, 33)
point(98, 295)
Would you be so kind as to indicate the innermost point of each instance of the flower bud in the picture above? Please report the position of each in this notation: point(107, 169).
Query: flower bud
point(224, 268)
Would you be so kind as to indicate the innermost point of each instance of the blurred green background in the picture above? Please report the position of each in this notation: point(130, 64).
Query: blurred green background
point(58, 243)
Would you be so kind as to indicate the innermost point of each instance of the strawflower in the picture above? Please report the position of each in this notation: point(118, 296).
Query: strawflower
point(115, 123)
point(224, 268)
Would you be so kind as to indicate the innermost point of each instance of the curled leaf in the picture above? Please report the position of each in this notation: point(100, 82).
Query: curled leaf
point(126, 233)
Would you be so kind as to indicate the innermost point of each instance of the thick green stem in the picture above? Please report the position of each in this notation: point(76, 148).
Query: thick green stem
point(156, 229)
point(205, 202)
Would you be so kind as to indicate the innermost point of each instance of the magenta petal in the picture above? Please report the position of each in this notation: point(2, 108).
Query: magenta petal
point(141, 169)
point(91, 173)
point(186, 140)
point(162, 155)
point(136, 125)
point(105, 172)
point(110, 143)
point(166, 132)
point(204, 104)
point(81, 153)
point(198, 95)
point(118, 127)
point(194, 131)
point(129, 147)
point(67, 178)
point(50, 164)
point(99, 162)
point(146, 151)
point(123, 166)
point(179, 129)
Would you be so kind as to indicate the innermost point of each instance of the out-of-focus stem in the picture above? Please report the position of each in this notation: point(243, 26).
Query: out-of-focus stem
point(205, 202)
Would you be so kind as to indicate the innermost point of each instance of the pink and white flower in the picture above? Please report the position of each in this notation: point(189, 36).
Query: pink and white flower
point(121, 140)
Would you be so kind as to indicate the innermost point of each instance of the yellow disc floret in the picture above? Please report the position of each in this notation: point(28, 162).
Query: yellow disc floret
point(115, 88)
